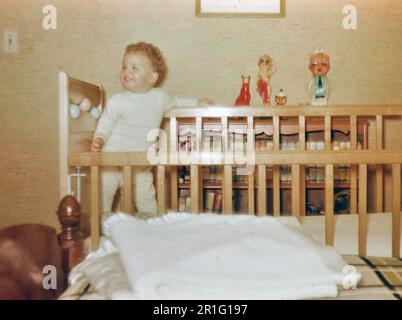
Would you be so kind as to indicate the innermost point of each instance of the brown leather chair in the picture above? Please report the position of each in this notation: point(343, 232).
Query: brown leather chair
point(24, 251)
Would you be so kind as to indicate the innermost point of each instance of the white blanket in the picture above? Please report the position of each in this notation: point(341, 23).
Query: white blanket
point(207, 256)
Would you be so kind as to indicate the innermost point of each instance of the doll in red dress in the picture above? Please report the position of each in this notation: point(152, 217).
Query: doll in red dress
point(266, 70)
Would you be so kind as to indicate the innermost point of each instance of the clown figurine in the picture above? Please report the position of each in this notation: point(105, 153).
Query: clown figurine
point(319, 85)
point(281, 99)
point(266, 70)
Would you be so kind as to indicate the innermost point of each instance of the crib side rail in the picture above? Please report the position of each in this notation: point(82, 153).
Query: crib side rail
point(296, 159)
point(359, 160)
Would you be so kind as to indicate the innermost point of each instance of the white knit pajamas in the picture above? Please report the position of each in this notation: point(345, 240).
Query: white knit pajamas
point(124, 126)
point(143, 189)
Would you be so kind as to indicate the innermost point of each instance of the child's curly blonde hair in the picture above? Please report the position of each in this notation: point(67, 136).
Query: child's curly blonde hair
point(154, 55)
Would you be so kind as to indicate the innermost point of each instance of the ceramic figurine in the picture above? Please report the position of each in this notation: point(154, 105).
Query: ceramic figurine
point(266, 70)
point(319, 86)
point(281, 98)
point(244, 97)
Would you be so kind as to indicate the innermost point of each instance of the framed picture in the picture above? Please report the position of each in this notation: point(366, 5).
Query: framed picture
point(240, 8)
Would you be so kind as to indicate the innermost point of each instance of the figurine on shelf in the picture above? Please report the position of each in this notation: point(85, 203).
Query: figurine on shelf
point(319, 85)
point(281, 98)
point(244, 97)
point(266, 70)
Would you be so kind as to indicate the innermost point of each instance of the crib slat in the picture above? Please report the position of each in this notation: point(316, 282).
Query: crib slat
point(227, 207)
point(329, 204)
point(353, 189)
point(276, 190)
point(160, 190)
point(379, 174)
point(276, 169)
point(173, 146)
point(250, 135)
point(251, 191)
point(195, 188)
point(362, 209)
point(302, 146)
point(198, 136)
point(296, 196)
point(95, 212)
point(225, 137)
point(328, 132)
point(276, 132)
point(353, 132)
point(379, 168)
point(379, 123)
point(396, 210)
point(174, 188)
point(353, 168)
point(127, 202)
point(302, 133)
point(250, 151)
point(262, 191)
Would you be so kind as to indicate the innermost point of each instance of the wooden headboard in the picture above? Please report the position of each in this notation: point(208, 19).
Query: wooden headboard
point(75, 136)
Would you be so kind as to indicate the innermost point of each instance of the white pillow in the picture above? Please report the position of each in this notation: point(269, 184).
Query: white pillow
point(105, 272)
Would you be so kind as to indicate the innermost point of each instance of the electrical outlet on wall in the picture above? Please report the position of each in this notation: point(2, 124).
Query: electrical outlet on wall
point(10, 41)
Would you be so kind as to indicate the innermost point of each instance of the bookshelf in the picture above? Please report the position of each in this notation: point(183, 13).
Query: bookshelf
point(265, 139)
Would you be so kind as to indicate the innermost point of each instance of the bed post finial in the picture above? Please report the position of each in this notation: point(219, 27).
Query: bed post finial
point(70, 238)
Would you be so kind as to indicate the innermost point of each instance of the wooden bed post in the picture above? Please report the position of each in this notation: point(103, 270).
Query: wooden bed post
point(70, 238)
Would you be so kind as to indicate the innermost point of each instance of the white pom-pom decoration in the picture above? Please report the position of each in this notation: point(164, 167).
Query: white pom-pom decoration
point(95, 113)
point(85, 105)
point(74, 111)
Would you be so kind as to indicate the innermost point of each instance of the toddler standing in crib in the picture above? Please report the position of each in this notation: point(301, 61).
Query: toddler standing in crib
point(129, 116)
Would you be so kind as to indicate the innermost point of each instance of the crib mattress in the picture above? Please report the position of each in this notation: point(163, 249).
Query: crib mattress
point(381, 280)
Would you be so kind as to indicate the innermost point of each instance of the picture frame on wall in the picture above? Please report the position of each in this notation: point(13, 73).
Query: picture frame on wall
point(240, 8)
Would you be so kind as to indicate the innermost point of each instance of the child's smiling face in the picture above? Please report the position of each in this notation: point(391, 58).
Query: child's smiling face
point(137, 74)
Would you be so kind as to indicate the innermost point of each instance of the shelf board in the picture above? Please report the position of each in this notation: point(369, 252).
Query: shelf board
point(244, 185)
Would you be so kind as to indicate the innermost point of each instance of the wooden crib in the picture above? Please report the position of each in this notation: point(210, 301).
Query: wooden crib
point(276, 122)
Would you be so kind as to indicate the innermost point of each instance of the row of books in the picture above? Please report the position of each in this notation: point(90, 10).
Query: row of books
point(213, 143)
point(213, 201)
point(314, 174)
point(184, 204)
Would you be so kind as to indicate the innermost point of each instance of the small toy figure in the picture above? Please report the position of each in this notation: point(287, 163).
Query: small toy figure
point(266, 70)
point(319, 66)
point(281, 98)
point(244, 97)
